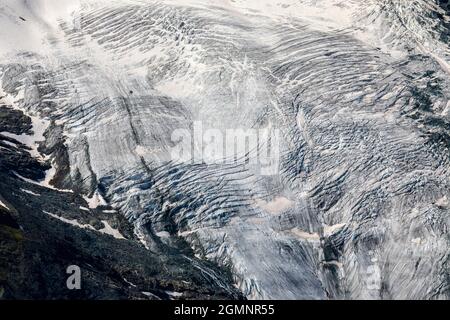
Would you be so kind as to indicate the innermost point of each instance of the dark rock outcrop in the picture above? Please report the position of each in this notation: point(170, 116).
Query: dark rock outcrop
point(36, 247)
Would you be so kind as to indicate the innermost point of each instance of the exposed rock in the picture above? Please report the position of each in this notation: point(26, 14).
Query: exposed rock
point(36, 247)
point(359, 91)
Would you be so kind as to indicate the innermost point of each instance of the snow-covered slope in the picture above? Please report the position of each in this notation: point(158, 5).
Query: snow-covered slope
point(359, 91)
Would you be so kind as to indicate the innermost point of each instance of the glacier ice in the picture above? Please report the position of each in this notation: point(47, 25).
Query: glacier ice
point(358, 89)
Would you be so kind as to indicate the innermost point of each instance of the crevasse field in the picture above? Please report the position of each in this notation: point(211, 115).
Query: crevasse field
point(355, 204)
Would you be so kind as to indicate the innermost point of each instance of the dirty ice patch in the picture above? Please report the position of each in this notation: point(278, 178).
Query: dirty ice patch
point(3, 205)
point(106, 230)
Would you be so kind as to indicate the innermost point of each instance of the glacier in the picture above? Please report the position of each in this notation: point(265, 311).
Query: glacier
point(359, 90)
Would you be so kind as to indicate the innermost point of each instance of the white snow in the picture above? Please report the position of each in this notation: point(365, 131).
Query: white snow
point(329, 230)
point(141, 238)
point(30, 192)
point(140, 151)
point(9, 143)
point(95, 201)
point(277, 205)
point(129, 282)
point(49, 175)
point(73, 222)
point(442, 202)
point(41, 21)
point(107, 229)
point(252, 248)
point(110, 230)
point(446, 111)
point(149, 294)
point(18, 35)
point(163, 234)
point(322, 14)
point(4, 205)
point(305, 235)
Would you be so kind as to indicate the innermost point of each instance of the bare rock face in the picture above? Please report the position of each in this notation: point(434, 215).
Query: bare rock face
point(357, 205)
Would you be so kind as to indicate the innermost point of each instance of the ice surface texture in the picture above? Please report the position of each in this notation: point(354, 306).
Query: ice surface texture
point(359, 89)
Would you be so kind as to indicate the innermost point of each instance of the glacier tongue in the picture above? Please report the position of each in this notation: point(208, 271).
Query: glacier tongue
point(356, 208)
